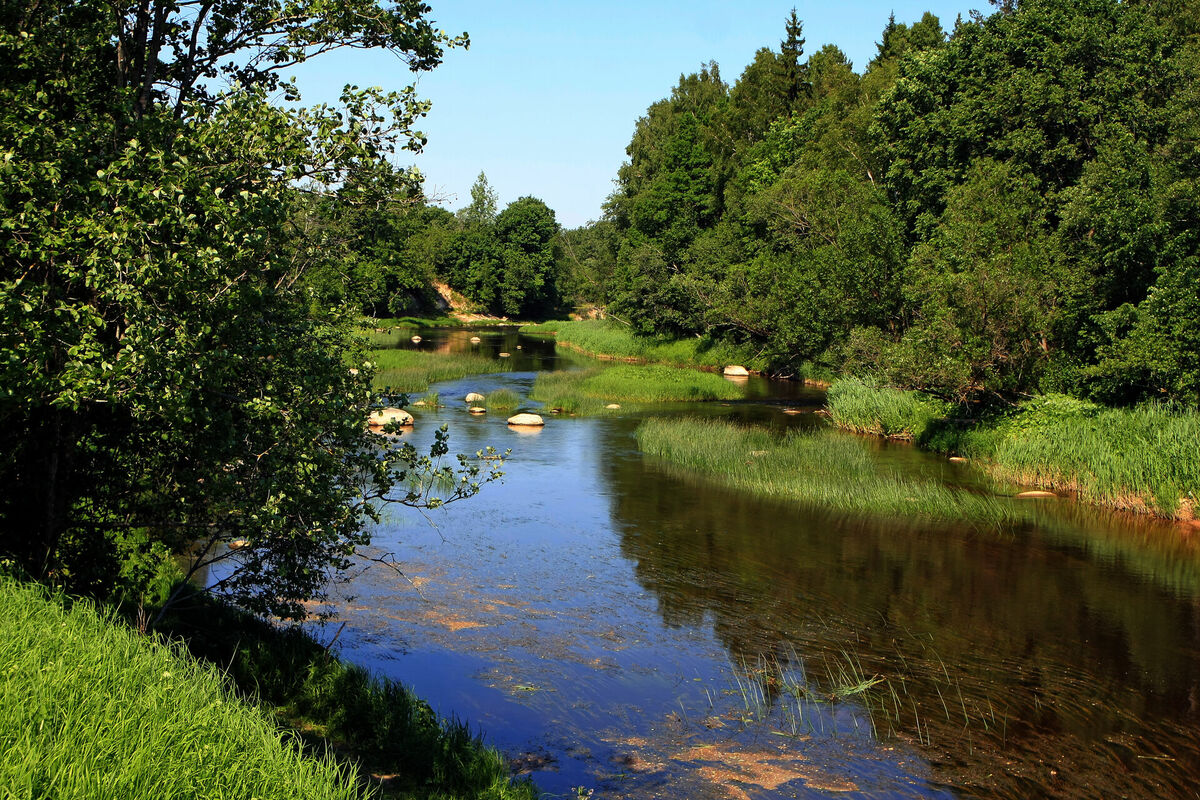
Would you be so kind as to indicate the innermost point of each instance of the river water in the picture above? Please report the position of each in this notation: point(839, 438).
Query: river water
point(615, 626)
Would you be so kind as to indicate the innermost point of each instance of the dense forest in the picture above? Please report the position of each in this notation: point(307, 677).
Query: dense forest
point(1003, 207)
point(1000, 207)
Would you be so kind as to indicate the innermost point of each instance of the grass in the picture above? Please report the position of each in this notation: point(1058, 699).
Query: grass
point(374, 722)
point(826, 469)
point(91, 709)
point(502, 400)
point(1144, 459)
point(414, 371)
point(588, 391)
point(863, 407)
point(608, 339)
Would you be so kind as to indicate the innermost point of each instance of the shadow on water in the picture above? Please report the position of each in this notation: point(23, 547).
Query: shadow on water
point(614, 625)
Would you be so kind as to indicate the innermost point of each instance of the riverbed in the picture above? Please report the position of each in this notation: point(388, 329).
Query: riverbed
point(618, 627)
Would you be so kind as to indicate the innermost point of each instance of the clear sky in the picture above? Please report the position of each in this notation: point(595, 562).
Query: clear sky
point(546, 98)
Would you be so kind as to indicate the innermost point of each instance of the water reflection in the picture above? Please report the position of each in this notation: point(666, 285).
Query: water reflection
point(607, 620)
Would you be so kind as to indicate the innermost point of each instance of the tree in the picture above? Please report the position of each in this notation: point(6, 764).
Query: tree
point(168, 389)
point(526, 231)
point(482, 210)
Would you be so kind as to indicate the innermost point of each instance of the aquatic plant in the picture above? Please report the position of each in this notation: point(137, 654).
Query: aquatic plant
point(414, 370)
point(1144, 459)
point(502, 399)
point(825, 469)
point(862, 406)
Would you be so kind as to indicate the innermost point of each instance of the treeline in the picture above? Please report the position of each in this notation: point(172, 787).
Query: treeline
point(391, 253)
point(1008, 206)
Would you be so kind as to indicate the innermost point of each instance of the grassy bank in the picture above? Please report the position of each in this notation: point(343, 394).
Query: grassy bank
point(825, 470)
point(589, 391)
point(376, 723)
point(608, 339)
point(1144, 459)
point(90, 709)
point(413, 370)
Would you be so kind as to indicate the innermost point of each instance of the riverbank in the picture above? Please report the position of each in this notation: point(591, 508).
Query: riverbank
point(233, 707)
point(1144, 459)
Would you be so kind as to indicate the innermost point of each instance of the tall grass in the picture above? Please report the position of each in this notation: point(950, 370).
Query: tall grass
point(609, 339)
point(1144, 459)
point(589, 390)
point(824, 469)
point(414, 370)
point(503, 399)
point(863, 407)
point(90, 709)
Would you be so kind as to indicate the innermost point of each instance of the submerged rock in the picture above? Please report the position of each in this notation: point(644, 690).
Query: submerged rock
point(385, 416)
point(504, 355)
point(957, 460)
point(736, 371)
point(416, 340)
point(475, 340)
point(477, 410)
point(526, 419)
point(1035, 495)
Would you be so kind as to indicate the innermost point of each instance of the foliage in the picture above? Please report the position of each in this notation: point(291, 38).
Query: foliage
point(999, 211)
point(168, 386)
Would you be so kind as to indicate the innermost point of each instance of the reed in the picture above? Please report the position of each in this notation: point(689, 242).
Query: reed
point(825, 469)
point(609, 339)
point(414, 370)
point(91, 709)
point(502, 400)
point(1144, 459)
point(588, 391)
point(864, 407)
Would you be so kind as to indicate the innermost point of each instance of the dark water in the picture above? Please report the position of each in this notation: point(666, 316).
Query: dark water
point(614, 625)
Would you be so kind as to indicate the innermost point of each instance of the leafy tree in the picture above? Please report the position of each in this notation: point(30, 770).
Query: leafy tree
point(167, 388)
point(482, 210)
point(527, 231)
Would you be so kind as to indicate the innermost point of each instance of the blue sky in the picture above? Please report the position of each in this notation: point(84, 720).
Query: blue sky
point(546, 98)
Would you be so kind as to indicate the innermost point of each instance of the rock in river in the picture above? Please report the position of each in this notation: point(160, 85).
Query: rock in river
point(386, 415)
point(474, 397)
point(526, 419)
point(736, 371)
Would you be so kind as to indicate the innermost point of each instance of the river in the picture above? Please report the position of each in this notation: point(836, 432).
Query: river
point(618, 627)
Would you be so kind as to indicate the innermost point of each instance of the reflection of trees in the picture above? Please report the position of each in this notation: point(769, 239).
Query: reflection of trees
point(1026, 666)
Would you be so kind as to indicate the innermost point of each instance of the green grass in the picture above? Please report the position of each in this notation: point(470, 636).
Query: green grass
point(588, 391)
point(502, 400)
point(863, 407)
point(414, 370)
point(826, 469)
point(91, 709)
point(1144, 459)
point(608, 339)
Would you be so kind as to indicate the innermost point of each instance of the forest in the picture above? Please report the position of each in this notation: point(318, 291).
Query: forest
point(1000, 206)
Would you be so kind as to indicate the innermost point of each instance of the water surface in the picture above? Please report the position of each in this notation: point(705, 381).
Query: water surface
point(613, 624)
